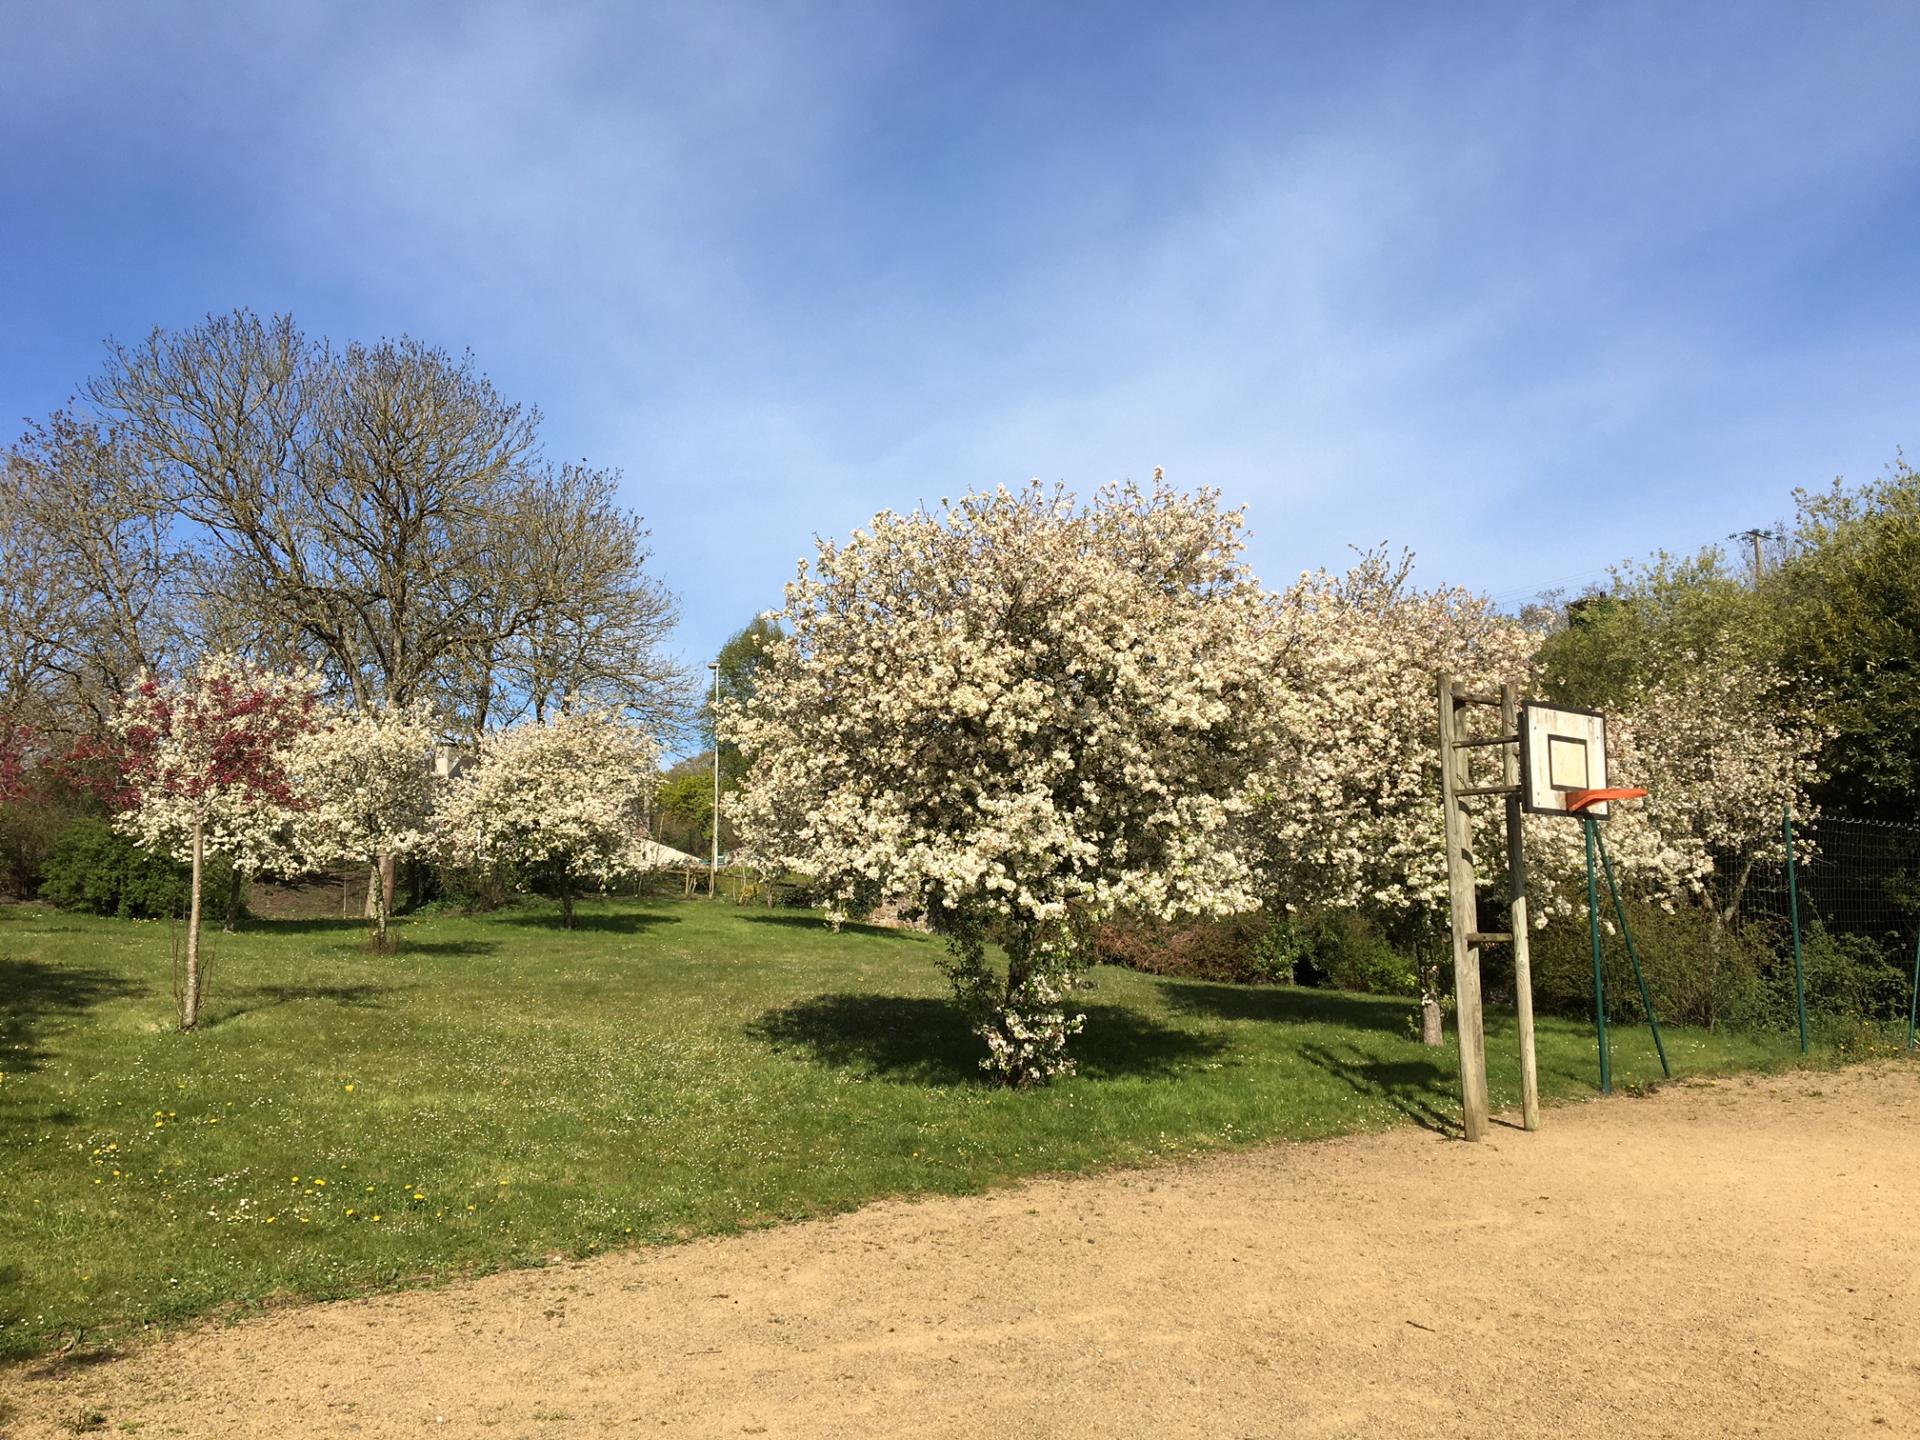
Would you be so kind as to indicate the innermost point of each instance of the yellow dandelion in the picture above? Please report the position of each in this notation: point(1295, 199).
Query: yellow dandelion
point(376, 1219)
point(318, 1181)
point(272, 1218)
point(349, 1089)
point(349, 1214)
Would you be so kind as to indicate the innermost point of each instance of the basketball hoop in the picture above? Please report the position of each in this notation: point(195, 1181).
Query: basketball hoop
point(1579, 800)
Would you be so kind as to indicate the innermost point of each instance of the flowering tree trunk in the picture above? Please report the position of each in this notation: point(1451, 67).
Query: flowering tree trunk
point(236, 892)
point(190, 989)
point(1430, 1012)
point(1019, 1014)
point(566, 897)
point(381, 879)
point(379, 875)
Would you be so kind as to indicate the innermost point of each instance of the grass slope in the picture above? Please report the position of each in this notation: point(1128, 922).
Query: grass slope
point(500, 1091)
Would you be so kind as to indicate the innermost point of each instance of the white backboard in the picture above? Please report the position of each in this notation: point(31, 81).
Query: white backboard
point(1561, 750)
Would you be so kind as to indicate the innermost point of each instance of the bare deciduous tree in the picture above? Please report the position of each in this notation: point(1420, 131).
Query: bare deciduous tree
point(88, 600)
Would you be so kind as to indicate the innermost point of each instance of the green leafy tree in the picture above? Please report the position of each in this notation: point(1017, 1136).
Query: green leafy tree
point(1656, 618)
point(1848, 598)
point(684, 805)
point(741, 661)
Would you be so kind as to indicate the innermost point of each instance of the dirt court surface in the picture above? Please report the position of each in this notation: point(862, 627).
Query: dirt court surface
point(1740, 1258)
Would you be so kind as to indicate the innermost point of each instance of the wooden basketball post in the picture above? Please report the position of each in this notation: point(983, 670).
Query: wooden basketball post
point(1454, 780)
point(1456, 784)
point(1517, 908)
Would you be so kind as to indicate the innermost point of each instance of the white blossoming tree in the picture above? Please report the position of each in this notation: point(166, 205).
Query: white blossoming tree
point(1350, 798)
point(202, 766)
point(1720, 754)
point(1015, 715)
point(368, 785)
point(564, 800)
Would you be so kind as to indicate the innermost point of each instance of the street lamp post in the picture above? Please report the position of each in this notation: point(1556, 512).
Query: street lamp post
point(713, 868)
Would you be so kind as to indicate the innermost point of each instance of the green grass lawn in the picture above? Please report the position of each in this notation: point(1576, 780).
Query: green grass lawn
point(501, 1091)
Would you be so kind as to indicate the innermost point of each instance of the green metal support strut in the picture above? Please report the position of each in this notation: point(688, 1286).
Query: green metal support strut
point(1793, 903)
point(1633, 954)
point(1599, 981)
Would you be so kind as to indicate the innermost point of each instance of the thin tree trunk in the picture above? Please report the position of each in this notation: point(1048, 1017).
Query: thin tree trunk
point(190, 991)
point(1428, 966)
point(566, 902)
point(236, 890)
point(380, 908)
point(379, 875)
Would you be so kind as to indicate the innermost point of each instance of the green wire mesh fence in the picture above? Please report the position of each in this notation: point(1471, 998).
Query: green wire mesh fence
point(1854, 955)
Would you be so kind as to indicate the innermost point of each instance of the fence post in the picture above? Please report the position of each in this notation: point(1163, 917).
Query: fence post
point(1793, 905)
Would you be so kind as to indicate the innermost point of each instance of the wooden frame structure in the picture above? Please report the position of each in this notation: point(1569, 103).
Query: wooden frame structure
point(1456, 784)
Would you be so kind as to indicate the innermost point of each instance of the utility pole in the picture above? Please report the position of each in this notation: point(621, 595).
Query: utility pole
point(1754, 536)
point(713, 869)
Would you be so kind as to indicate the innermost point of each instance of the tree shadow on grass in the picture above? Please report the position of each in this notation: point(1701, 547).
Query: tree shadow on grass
point(602, 922)
point(1288, 1005)
point(927, 1041)
point(405, 945)
point(851, 927)
point(34, 995)
point(358, 996)
point(1416, 1087)
point(344, 925)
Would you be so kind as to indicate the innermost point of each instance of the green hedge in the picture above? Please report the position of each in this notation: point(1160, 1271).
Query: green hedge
point(95, 868)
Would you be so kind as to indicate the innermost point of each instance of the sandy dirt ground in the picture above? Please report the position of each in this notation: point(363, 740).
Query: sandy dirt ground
point(1738, 1259)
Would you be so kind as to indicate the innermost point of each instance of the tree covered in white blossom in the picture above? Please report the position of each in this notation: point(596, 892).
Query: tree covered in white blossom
point(561, 800)
point(368, 787)
point(1016, 714)
point(1350, 798)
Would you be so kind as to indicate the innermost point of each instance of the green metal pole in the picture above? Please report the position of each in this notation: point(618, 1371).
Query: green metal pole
point(1793, 902)
point(1599, 981)
point(1620, 910)
point(1913, 1014)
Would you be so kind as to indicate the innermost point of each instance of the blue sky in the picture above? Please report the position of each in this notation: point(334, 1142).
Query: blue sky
point(1526, 287)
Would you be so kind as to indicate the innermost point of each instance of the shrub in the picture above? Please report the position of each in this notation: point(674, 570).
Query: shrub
point(1346, 950)
point(1848, 977)
point(95, 868)
point(1699, 971)
point(1241, 948)
point(1703, 972)
point(29, 830)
